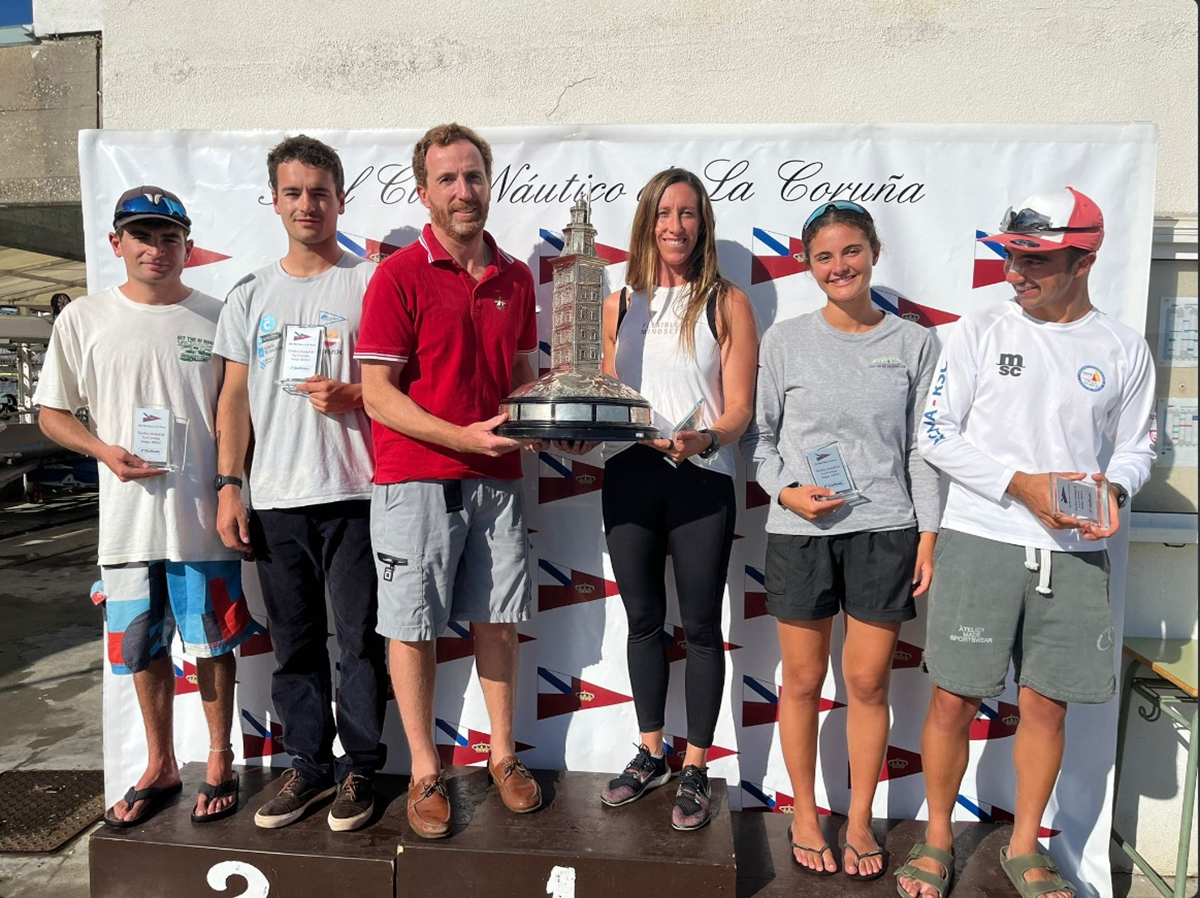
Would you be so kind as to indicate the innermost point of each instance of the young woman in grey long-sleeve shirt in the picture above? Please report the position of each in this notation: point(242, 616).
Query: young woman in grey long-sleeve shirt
point(852, 375)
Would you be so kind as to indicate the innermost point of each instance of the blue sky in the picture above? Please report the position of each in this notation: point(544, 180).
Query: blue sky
point(16, 12)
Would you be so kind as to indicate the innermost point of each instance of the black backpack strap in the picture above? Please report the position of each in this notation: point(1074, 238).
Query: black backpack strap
point(710, 309)
point(622, 307)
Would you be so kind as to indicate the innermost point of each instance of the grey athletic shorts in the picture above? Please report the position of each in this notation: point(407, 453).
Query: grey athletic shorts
point(448, 550)
point(985, 609)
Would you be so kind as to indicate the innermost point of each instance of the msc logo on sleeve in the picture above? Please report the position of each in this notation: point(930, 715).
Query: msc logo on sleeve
point(1091, 378)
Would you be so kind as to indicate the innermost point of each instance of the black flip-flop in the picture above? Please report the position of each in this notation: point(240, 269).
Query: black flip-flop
point(211, 792)
point(878, 852)
point(820, 852)
point(154, 797)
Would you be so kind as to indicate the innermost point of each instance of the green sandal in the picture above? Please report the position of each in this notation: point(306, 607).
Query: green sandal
point(1016, 868)
point(940, 883)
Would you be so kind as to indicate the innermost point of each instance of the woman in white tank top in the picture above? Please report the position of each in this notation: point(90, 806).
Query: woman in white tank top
point(686, 339)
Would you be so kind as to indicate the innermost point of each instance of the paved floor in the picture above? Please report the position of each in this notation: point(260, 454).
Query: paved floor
point(50, 657)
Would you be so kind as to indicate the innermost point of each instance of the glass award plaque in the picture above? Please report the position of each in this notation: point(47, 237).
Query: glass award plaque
point(575, 400)
point(1084, 500)
point(153, 436)
point(829, 470)
point(303, 349)
point(690, 421)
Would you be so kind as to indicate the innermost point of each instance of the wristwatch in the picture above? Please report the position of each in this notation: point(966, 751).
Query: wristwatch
point(714, 448)
point(224, 480)
point(1122, 493)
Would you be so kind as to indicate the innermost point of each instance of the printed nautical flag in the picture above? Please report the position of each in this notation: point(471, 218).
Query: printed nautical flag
point(773, 255)
point(986, 813)
point(457, 642)
point(457, 744)
point(261, 739)
point(926, 316)
point(365, 247)
point(755, 593)
point(760, 702)
point(899, 762)
point(989, 262)
point(676, 642)
point(259, 641)
point(185, 678)
point(561, 478)
point(560, 586)
point(907, 655)
point(995, 723)
point(610, 254)
point(200, 256)
point(675, 747)
point(560, 693)
point(762, 798)
point(755, 495)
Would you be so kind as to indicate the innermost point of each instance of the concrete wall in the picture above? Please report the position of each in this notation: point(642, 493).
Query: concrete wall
point(58, 17)
point(377, 63)
point(47, 94)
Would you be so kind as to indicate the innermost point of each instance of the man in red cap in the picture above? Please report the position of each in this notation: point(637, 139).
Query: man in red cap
point(1044, 386)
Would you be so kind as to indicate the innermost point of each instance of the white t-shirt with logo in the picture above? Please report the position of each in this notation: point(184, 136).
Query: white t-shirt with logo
point(112, 355)
point(650, 359)
point(1012, 393)
point(301, 456)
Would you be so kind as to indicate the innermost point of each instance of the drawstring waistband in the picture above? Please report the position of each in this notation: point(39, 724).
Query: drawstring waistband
point(1032, 563)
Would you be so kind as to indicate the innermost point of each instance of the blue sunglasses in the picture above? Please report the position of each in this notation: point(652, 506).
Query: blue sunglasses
point(844, 205)
point(143, 205)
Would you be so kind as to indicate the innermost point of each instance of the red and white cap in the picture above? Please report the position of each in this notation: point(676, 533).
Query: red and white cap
point(1050, 221)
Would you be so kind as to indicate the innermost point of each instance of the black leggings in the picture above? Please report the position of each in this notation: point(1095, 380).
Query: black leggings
point(650, 507)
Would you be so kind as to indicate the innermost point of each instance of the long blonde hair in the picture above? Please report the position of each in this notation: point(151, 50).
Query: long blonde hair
point(703, 274)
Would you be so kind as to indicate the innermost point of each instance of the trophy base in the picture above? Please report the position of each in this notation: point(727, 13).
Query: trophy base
point(567, 404)
point(595, 434)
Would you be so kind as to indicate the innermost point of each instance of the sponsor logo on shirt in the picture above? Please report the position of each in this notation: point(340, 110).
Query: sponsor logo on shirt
point(933, 433)
point(1011, 364)
point(194, 349)
point(1091, 378)
point(970, 634)
point(266, 323)
point(887, 361)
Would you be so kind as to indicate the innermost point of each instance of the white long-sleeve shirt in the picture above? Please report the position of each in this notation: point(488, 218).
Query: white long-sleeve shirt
point(1012, 393)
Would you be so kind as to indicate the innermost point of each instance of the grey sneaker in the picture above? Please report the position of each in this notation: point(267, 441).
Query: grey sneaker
point(692, 804)
point(354, 803)
point(294, 798)
point(643, 773)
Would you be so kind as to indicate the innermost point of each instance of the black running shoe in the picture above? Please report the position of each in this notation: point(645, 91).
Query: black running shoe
point(692, 804)
point(641, 774)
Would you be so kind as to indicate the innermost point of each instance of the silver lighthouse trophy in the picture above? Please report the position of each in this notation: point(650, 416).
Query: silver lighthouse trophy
point(575, 400)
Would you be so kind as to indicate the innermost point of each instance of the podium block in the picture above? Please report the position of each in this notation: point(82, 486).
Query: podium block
point(573, 847)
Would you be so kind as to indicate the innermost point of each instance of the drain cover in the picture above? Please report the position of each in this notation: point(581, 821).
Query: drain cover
point(43, 809)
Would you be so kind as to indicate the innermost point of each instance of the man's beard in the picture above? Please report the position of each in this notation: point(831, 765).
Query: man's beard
point(464, 230)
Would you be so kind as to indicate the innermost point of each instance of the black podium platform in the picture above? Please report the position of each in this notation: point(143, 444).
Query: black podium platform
point(573, 847)
point(766, 870)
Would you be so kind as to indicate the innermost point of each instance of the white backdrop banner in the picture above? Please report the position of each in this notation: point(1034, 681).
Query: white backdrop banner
point(932, 189)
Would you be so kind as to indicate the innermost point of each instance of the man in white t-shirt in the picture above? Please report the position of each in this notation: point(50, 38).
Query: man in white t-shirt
point(287, 335)
point(1043, 383)
point(139, 358)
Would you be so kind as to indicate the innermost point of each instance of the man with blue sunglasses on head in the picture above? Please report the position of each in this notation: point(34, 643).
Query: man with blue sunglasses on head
point(1039, 415)
point(139, 358)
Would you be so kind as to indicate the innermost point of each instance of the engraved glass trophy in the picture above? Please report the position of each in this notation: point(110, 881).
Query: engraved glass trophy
point(576, 400)
point(153, 436)
point(1084, 500)
point(303, 349)
point(829, 470)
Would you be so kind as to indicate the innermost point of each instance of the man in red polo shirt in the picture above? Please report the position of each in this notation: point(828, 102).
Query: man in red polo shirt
point(448, 327)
